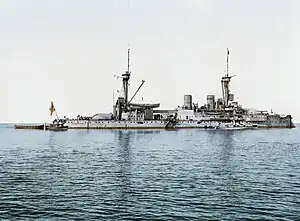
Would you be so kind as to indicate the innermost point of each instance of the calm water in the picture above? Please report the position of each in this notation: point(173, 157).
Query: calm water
point(150, 175)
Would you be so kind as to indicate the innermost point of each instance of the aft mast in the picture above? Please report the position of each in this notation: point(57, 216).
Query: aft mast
point(227, 63)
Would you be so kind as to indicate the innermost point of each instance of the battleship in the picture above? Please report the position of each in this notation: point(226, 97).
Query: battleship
point(216, 113)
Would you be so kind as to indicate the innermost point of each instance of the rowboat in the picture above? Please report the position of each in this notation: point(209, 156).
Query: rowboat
point(33, 127)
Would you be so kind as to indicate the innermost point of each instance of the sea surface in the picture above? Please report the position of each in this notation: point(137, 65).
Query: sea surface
point(182, 174)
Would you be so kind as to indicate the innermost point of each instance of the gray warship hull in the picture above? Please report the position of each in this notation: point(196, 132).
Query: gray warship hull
point(220, 113)
point(246, 122)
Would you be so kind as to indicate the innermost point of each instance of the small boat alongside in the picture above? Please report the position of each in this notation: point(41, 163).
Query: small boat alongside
point(237, 126)
point(57, 125)
point(57, 128)
point(32, 127)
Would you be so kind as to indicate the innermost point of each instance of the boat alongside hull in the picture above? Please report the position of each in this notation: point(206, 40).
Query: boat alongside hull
point(51, 128)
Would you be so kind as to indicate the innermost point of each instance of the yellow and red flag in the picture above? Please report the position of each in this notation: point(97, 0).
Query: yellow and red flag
point(51, 108)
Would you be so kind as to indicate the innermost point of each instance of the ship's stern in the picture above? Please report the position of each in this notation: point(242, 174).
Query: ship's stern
point(292, 125)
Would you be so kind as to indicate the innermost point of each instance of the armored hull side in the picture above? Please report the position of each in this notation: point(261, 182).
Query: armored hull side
point(146, 124)
point(115, 124)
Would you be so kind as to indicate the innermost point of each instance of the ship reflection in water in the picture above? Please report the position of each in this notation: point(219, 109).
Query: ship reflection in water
point(124, 161)
point(127, 173)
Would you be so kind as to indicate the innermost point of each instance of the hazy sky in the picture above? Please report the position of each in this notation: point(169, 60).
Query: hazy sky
point(67, 51)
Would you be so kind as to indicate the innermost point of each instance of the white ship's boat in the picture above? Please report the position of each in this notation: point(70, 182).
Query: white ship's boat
point(222, 113)
point(232, 126)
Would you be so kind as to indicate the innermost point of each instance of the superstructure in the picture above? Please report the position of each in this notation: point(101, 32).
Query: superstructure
point(218, 113)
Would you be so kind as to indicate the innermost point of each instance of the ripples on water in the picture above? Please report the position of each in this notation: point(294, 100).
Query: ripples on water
point(148, 175)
